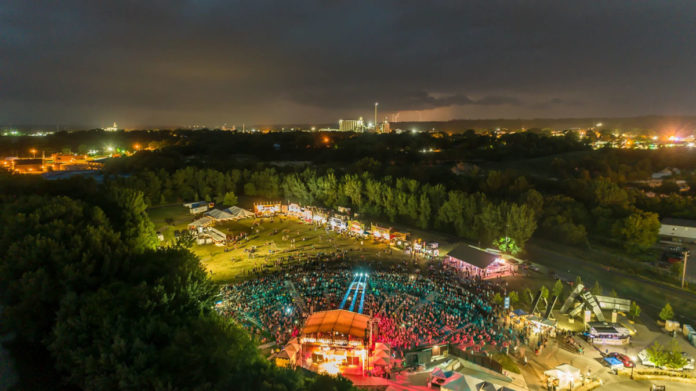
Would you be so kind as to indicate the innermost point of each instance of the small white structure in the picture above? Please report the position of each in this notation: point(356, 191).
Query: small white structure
point(678, 230)
point(197, 207)
point(567, 376)
point(201, 223)
point(219, 238)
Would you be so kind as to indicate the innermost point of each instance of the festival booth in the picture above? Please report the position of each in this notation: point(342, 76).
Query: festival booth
point(603, 333)
point(564, 377)
point(335, 341)
point(357, 228)
point(381, 232)
point(420, 247)
point(295, 210)
point(267, 209)
point(320, 216)
point(478, 262)
point(337, 223)
point(199, 224)
point(400, 239)
point(541, 325)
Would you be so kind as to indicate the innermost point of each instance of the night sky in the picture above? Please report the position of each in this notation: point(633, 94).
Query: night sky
point(152, 63)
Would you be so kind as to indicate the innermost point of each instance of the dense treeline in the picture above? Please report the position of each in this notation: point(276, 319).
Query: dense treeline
point(471, 216)
point(481, 208)
point(85, 290)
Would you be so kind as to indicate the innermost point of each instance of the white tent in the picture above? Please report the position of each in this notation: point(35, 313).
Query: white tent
point(567, 375)
point(202, 222)
point(218, 214)
point(238, 213)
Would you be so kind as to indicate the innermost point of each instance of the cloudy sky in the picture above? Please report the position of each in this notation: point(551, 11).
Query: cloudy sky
point(224, 61)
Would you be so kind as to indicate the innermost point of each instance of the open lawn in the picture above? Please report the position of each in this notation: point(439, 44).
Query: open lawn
point(268, 242)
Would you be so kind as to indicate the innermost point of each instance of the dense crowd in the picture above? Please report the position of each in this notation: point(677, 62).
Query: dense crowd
point(433, 306)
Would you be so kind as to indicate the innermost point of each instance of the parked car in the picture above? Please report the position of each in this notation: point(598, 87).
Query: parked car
point(643, 357)
point(627, 362)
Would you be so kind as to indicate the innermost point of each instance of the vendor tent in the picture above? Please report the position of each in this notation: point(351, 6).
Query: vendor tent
point(218, 214)
point(567, 375)
point(204, 221)
point(239, 213)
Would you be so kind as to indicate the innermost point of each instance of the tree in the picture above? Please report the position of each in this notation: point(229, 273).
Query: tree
point(507, 245)
point(544, 292)
point(657, 355)
point(514, 297)
point(638, 231)
point(675, 358)
point(497, 299)
point(230, 199)
point(520, 222)
point(596, 289)
point(635, 310)
point(558, 288)
point(249, 189)
point(667, 313)
point(128, 211)
point(527, 295)
point(186, 239)
point(424, 211)
point(613, 293)
point(578, 281)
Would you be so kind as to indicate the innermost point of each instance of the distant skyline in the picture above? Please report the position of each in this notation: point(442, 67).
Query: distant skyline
point(211, 62)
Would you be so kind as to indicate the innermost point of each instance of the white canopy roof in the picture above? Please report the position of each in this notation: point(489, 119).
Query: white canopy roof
point(238, 213)
point(218, 214)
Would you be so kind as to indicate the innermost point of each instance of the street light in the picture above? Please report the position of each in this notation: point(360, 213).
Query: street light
point(33, 152)
point(686, 256)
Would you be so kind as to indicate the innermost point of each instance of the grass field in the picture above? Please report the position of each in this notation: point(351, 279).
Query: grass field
point(271, 241)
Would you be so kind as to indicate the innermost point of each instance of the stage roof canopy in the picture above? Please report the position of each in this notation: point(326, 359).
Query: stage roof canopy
point(342, 321)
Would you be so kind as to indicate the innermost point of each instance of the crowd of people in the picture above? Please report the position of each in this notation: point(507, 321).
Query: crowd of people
point(433, 306)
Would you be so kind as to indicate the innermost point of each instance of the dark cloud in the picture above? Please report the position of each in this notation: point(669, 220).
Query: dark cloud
point(215, 61)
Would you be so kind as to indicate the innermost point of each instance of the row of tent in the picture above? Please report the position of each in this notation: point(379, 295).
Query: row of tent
point(213, 215)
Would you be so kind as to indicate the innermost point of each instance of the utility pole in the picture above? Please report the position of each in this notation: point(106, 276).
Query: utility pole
point(376, 104)
point(686, 256)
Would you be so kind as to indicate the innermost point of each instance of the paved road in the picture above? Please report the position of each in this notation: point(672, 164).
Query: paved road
point(568, 266)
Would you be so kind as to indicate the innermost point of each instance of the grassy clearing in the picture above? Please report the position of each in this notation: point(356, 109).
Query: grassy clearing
point(271, 240)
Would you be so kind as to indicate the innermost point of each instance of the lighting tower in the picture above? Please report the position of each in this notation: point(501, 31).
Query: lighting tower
point(376, 104)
